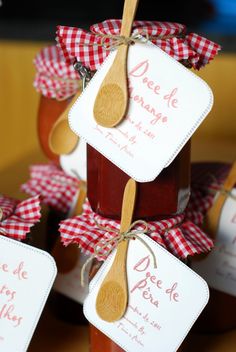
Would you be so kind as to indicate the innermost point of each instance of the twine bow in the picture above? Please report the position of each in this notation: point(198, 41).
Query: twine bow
point(102, 245)
point(117, 40)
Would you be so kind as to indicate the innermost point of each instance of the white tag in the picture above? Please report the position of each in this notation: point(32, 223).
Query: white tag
point(163, 303)
point(75, 163)
point(167, 104)
point(70, 284)
point(219, 267)
point(26, 278)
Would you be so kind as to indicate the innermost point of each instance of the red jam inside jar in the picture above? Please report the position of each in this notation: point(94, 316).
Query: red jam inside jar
point(165, 196)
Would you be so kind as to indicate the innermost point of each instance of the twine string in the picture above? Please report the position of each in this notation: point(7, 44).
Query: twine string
point(102, 245)
point(220, 189)
point(116, 40)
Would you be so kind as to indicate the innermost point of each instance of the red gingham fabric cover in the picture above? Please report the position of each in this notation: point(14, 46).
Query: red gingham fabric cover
point(207, 179)
point(17, 217)
point(54, 77)
point(182, 238)
point(55, 187)
point(76, 43)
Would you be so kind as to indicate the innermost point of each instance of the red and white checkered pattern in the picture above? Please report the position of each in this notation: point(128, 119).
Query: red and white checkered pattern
point(179, 237)
point(76, 43)
point(207, 179)
point(54, 77)
point(17, 217)
point(55, 187)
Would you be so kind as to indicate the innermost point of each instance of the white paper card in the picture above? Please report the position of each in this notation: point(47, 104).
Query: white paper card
point(69, 284)
point(219, 267)
point(75, 163)
point(26, 278)
point(163, 302)
point(167, 103)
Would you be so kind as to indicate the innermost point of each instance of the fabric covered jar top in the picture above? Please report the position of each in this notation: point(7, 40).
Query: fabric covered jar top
point(17, 217)
point(54, 77)
point(91, 48)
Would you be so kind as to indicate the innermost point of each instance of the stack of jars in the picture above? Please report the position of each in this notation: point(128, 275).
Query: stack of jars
point(164, 198)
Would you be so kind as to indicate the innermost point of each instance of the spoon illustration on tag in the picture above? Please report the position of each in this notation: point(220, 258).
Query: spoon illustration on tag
point(112, 297)
point(112, 99)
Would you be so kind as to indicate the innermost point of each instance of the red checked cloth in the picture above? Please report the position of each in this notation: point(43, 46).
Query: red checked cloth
point(56, 188)
point(207, 179)
point(54, 77)
point(182, 238)
point(17, 218)
point(76, 43)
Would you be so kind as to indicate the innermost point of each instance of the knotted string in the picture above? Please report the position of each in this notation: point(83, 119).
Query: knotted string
point(102, 245)
point(117, 40)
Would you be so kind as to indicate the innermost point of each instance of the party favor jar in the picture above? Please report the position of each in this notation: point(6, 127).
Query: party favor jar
point(106, 181)
point(62, 188)
point(91, 230)
point(213, 208)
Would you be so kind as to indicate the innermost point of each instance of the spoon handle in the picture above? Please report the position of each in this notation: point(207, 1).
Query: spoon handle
point(213, 215)
point(111, 302)
point(129, 12)
point(128, 205)
point(126, 219)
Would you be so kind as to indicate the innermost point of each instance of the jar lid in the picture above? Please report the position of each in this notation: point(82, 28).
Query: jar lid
point(91, 48)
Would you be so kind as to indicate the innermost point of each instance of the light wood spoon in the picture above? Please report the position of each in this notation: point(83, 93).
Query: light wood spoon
point(213, 215)
point(67, 257)
point(62, 140)
point(112, 99)
point(112, 297)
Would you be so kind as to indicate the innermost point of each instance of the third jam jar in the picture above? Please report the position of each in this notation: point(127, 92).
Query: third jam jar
point(57, 82)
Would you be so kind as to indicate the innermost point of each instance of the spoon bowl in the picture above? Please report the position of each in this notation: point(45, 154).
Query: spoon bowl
point(111, 102)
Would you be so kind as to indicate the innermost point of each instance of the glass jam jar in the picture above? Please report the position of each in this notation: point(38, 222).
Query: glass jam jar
point(62, 306)
point(167, 195)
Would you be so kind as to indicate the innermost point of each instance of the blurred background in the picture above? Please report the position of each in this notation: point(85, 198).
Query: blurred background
point(27, 26)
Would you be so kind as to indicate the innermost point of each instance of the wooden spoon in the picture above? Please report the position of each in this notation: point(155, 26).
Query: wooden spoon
point(67, 257)
point(62, 140)
point(213, 215)
point(112, 99)
point(112, 297)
